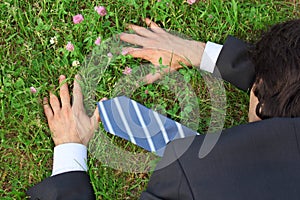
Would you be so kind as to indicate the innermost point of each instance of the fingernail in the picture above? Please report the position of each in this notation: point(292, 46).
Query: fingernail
point(104, 99)
point(120, 35)
point(77, 76)
point(45, 100)
point(125, 51)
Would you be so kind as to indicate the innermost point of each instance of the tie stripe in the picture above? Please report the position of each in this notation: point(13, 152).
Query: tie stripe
point(105, 118)
point(128, 130)
point(141, 119)
point(162, 128)
point(179, 127)
point(132, 121)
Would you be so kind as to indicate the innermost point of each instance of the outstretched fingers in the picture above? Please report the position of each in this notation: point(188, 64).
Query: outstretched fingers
point(135, 39)
point(64, 92)
point(152, 77)
point(153, 26)
point(54, 102)
point(138, 52)
point(144, 32)
point(47, 109)
point(77, 94)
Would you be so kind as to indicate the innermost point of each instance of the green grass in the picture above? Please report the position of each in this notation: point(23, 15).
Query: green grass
point(28, 59)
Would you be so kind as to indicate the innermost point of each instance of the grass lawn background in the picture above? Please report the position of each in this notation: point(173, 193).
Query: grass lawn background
point(29, 60)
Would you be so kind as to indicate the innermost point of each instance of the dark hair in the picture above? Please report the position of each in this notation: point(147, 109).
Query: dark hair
point(276, 57)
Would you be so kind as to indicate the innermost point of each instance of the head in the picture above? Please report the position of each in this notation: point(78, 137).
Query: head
point(276, 57)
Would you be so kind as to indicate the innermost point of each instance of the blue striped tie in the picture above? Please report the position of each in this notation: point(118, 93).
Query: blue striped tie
point(132, 121)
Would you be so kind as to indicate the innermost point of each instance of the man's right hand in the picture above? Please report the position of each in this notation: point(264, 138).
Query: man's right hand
point(158, 44)
point(70, 123)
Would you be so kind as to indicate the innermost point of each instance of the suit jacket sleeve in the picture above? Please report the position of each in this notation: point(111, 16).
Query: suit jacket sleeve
point(68, 186)
point(234, 64)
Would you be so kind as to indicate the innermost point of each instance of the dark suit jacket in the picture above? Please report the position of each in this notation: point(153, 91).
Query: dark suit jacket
point(258, 161)
point(234, 66)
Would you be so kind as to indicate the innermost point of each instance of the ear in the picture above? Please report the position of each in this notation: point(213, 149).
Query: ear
point(253, 102)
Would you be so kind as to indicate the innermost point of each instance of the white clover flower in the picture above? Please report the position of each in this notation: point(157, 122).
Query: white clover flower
point(75, 63)
point(53, 40)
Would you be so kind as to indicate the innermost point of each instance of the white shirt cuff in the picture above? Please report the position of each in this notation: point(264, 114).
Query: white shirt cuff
point(69, 157)
point(210, 56)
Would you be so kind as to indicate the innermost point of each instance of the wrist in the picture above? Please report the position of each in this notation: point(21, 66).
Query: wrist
point(67, 140)
point(58, 142)
point(198, 49)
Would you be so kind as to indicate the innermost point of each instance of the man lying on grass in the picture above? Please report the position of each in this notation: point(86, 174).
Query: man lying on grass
point(258, 160)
